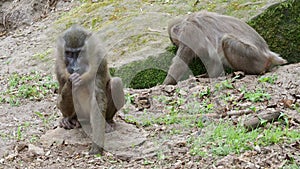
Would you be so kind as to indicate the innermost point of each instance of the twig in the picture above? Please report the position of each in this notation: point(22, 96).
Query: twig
point(255, 122)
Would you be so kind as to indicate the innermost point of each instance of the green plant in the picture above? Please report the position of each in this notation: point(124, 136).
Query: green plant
point(226, 84)
point(224, 138)
point(131, 119)
point(147, 162)
point(41, 116)
point(33, 139)
point(206, 93)
point(20, 130)
point(257, 96)
point(33, 86)
point(296, 106)
point(268, 79)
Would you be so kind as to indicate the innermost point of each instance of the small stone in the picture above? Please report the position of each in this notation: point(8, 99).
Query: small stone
point(35, 150)
point(11, 156)
point(169, 89)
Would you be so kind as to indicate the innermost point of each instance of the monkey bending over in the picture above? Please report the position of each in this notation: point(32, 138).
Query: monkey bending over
point(86, 90)
point(218, 40)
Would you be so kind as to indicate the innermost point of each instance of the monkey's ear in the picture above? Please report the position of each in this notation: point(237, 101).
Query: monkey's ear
point(89, 34)
point(60, 42)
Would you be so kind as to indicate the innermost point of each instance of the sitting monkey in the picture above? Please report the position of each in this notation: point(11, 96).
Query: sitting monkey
point(86, 90)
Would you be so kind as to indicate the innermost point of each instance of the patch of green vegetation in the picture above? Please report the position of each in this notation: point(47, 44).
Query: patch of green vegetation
point(296, 106)
point(257, 96)
point(34, 138)
point(268, 79)
point(205, 93)
point(20, 130)
point(145, 78)
point(279, 25)
point(18, 134)
point(224, 138)
point(145, 73)
point(237, 8)
point(292, 164)
point(175, 114)
point(225, 84)
point(147, 162)
point(33, 86)
point(43, 56)
point(87, 14)
point(45, 118)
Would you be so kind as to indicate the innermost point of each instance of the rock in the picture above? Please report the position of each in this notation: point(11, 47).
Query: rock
point(120, 141)
point(11, 156)
point(35, 150)
point(4, 151)
point(60, 135)
point(24, 12)
point(169, 89)
point(279, 25)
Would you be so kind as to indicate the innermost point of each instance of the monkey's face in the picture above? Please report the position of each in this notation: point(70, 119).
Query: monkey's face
point(73, 60)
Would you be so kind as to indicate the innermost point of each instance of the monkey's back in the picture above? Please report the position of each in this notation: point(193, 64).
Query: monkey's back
point(214, 26)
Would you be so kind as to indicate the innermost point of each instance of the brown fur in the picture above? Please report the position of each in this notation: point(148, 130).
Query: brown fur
point(86, 94)
point(218, 40)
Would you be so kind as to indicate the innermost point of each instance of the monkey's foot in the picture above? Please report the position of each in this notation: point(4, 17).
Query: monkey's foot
point(110, 127)
point(95, 149)
point(69, 123)
point(169, 80)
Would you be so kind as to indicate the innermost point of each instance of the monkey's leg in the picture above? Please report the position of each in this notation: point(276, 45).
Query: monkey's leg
point(65, 104)
point(243, 56)
point(115, 100)
point(179, 65)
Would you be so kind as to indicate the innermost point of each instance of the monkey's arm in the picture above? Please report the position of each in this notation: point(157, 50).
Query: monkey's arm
point(180, 65)
point(62, 74)
point(90, 105)
point(66, 106)
point(97, 63)
point(98, 122)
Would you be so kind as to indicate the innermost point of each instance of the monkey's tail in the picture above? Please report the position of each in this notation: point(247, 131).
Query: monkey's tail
point(276, 59)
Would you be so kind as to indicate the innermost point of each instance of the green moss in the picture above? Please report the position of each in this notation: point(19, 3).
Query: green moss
point(279, 25)
point(145, 73)
point(148, 78)
point(197, 67)
point(87, 14)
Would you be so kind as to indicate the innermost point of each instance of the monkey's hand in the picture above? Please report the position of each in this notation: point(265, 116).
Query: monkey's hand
point(75, 79)
point(69, 123)
point(95, 149)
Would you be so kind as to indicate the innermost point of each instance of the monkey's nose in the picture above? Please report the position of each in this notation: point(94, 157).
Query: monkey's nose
point(75, 69)
point(70, 70)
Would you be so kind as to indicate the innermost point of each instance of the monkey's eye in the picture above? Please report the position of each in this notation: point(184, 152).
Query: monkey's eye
point(68, 54)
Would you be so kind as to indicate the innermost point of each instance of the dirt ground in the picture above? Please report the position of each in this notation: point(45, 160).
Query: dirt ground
point(33, 140)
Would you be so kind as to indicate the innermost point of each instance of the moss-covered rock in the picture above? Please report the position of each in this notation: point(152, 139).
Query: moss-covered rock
point(153, 70)
point(145, 73)
point(279, 25)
